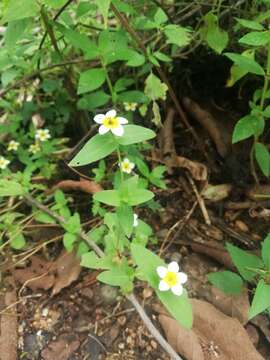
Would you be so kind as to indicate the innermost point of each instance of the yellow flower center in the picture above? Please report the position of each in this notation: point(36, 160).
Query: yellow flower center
point(126, 166)
point(111, 122)
point(170, 278)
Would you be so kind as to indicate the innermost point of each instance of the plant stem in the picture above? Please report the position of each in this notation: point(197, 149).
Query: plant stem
point(120, 161)
point(108, 80)
point(131, 297)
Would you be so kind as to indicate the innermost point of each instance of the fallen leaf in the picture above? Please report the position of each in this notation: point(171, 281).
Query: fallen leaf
point(214, 335)
point(84, 185)
point(8, 325)
point(216, 193)
point(197, 170)
point(61, 349)
point(68, 269)
point(262, 322)
point(259, 192)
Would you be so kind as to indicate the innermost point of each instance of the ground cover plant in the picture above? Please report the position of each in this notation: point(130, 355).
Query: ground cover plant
point(136, 134)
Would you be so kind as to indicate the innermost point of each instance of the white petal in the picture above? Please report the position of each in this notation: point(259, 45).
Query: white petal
point(111, 113)
point(119, 131)
point(162, 271)
point(177, 289)
point(163, 286)
point(135, 221)
point(125, 160)
point(103, 130)
point(173, 266)
point(132, 165)
point(99, 118)
point(182, 277)
point(122, 120)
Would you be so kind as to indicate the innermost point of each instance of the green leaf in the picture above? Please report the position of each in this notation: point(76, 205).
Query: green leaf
point(90, 80)
point(162, 57)
point(115, 277)
point(266, 252)
point(98, 147)
point(133, 96)
point(216, 38)
point(147, 263)
point(113, 46)
point(237, 72)
point(134, 134)
point(244, 261)
point(139, 196)
point(20, 10)
point(122, 83)
point(177, 35)
point(17, 242)
point(10, 188)
point(154, 88)
point(109, 197)
point(73, 224)
point(250, 24)
point(261, 300)
point(69, 239)
point(160, 17)
point(55, 4)
point(93, 100)
point(126, 218)
point(103, 6)
point(15, 31)
point(255, 38)
point(247, 64)
point(92, 261)
point(227, 281)
point(247, 126)
point(97, 234)
point(133, 58)
point(263, 158)
point(44, 218)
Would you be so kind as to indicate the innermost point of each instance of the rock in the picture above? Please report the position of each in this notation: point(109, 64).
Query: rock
point(108, 294)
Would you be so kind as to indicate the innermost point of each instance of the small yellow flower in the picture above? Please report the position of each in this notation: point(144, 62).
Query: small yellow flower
point(3, 163)
point(42, 134)
point(110, 122)
point(171, 278)
point(127, 166)
point(130, 106)
point(13, 145)
point(34, 148)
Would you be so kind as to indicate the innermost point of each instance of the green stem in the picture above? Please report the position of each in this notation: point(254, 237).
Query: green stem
point(120, 161)
point(108, 80)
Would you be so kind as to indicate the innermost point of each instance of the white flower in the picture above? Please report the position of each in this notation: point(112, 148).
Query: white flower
point(3, 163)
point(130, 106)
point(135, 221)
point(127, 166)
point(43, 134)
point(13, 145)
point(171, 278)
point(110, 122)
point(34, 148)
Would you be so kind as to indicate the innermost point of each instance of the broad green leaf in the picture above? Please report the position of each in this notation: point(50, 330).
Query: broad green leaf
point(10, 188)
point(93, 100)
point(69, 240)
point(142, 233)
point(216, 38)
point(250, 24)
point(266, 112)
point(261, 299)
point(154, 88)
point(255, 38)
point(108, 197)
point(245, 263)
point(177, 35)
point(55, 4)
point(97, 234)
point(17, 10)
point(162, 57)
point(90, 80)
point(98, 147)
point(44, 218)
point(132, 96)
point(266, 252)
point(139, 196)
point(8, 76)
point(160, 17)
point(15, 31)
point(113, 46)
point(247, 126)
point(82, 249)
point(247, 64)
point(126, 218)
point(237, 72)
point(134, 58)
point(73, 224)
point(103, 6)
point(227, 281)
point(134, 134)
point(115, 277)
point(18, 241)
point(263, 158)
point(147, 262)
point(92, 261)
point(122, 83)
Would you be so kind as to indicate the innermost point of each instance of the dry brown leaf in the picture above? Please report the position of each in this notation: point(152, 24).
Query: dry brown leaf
point(216, 193)
point(68, 269)
point(262, 322)
point(37, 275)
point(8, 326)
point(61, 349)
point(84, 185)
point(214, 333)
point(215, 251)
point(259, 192)
point(197, 170)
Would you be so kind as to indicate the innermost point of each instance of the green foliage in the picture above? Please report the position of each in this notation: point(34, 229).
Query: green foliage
point(216, 38)
point(261, 299)
point(227, 281)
